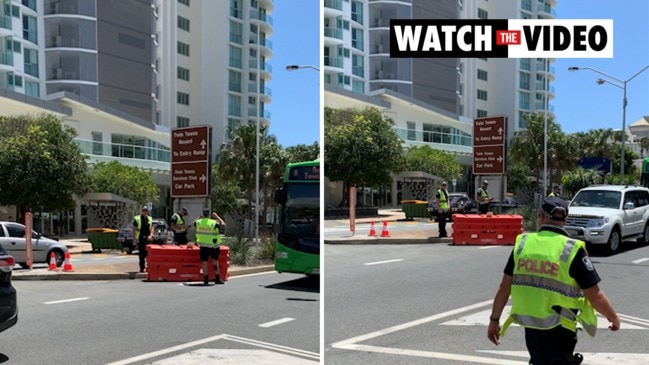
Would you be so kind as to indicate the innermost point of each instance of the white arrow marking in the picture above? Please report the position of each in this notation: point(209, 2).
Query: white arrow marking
point(66, 300)
point(203, 144)
point(500, 158)
point(638, 261)
point(202, 178)
point(382, 262)
point(500, 131)
point(590, 358)
point(276, 322)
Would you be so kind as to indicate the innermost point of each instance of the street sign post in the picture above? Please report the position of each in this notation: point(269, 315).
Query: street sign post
point(352, 209)
point(190, 161)
point(489, 141)
point(28, 240)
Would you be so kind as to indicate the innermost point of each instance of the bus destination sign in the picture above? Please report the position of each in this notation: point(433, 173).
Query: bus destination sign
point(304, 173)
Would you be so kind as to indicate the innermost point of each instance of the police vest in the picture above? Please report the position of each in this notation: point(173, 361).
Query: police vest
point(207, 233)
point(483, 193)
point(552, 195)
point(443, 203)
point(542, 281)
point(138, 226)
point(179, 221)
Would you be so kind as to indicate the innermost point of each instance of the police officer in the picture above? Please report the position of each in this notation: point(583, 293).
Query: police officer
point(142, 234)
point(178, 227)
point(208, 238)
point(556, 192)
point(482, 196)
point(442, 209)
point(553, 285)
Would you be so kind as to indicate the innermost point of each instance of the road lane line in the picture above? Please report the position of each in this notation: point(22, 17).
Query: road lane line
point(276, 322)
point(417, 322)
point(67, 300)
point(435, 355)
point(166, 351)
point(382, 262)
point(640, 260)
point(488, 247)
point(272, 346)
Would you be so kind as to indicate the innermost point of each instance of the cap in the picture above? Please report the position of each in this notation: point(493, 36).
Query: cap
point(557, 187)
point(555, 208)
point(184, 209)
point(485, 182)
point(443, 182)
point(145, 208)
point(206, 212)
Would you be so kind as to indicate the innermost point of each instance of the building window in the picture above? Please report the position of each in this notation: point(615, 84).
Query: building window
point(482, 94)
point(234, 105)
point(183, 49)
point(482, 14)
point(235, 9)
point(233, 124)
point(32, 89)
point(183, 98)
point(15, 11)
point(30, 32)
point(183, 23)
point(412, 133)
point(524, 82)
point(357, 86)
point(234, 83)
point(97, 145)
point(31, 62)
point(524, 100)
point(183, 73)
point(327, 79)
point(482, 75)
point(184, 2)
point(235, 57)
point(357, 12)
point(526, 5)
point(17, 47)
point(236, 31)
point(357, 39)
point(525, 64)
point(481, 113)
point(182, 122)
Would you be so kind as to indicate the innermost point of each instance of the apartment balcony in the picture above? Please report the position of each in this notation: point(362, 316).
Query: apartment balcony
point(264, 114)
point(7, 59)
point(265, 93)
point(31, 69)
point(265, 20)
point(333, 61)
point(444, 141)
point(524, 105)
point(269, 5)
point(380, 49)
point(333, 7)
point(549, 71)
point(265, 43)
point(333, 36)
point(379, 23)
point(5, 25)
point(138, 156)
point(540, 87)
point(546, 10)
point(358, 71)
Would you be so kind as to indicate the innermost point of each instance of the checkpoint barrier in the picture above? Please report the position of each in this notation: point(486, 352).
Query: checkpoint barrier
point(183, 263)
point(484, 229)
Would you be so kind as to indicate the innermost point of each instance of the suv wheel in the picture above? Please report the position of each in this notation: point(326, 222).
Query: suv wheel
point(644, 239)
point(614, 240)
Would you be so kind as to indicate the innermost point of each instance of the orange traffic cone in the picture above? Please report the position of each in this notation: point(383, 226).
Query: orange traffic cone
point(67, 266)
point(52, 262)
point(385, 232)
point(372, 230)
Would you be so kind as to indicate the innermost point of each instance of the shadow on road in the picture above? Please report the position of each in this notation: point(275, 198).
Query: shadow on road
point(3, 358)
point(310, 284)
point(601, 251)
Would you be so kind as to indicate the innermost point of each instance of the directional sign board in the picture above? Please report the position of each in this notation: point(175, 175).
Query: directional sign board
point(190, 161)
point(489, 141)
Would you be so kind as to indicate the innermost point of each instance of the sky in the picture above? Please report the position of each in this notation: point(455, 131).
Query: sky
point(295, 107)
point(580, 103)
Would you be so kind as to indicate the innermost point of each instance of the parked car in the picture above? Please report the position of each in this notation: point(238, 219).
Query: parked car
point(460, 203)
point(161, 235)
point(8, 302)
point(12, 238)
point(506, 207)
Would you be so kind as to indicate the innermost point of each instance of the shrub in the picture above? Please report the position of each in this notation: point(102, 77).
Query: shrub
point(266, 250)
point(530, 217)
point(240, 249)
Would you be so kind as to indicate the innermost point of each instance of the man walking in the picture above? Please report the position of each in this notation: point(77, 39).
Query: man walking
point(482, 196)
point(208, 238)
point(556, 192)
point(442, 209)
point(143, 234)
point(179, 227)
point(554, 286)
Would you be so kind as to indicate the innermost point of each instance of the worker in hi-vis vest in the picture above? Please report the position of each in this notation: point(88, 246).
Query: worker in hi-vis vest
point(208, 238)
point(482, 196)
point(554, 286)
point(442, 209)
point(142, 234)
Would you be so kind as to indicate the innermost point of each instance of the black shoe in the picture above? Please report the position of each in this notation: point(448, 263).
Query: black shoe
point(218, 281)
point(443, 236)
point(141, 270)
point(577, 359)
point(206, 280)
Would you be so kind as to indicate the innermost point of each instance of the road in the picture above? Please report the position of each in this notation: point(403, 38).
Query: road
point(341, 229)
point(274, 317)
point(429, 304)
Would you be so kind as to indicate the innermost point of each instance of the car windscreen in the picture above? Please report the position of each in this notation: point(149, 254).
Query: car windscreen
point(597, 199)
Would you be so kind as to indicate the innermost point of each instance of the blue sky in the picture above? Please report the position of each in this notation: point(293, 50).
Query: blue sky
point(581, 104)
point(295, 105)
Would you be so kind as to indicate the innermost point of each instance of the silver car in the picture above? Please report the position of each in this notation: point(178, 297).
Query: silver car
point(12, 239)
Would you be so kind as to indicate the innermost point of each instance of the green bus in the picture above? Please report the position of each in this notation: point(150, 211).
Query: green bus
point(644, 174)
point(298, 239)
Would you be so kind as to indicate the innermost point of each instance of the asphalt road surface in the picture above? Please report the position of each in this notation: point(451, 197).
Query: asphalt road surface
point(430, 304)
point(257, 319)
point(341, 229)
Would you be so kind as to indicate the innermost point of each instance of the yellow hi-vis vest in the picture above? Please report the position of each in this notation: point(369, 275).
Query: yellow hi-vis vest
point(179, 221)
point(207, 233)
point(138, 227)
point(542, 281)
point(483, 193)
point(443, 203)
point(552, 195)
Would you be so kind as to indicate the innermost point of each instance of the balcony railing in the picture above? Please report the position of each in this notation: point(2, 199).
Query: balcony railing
point(252, 63)
point(333, 33)
point(358, 71)
point(252, 88)
point(7, 58)
point(334, 4)
point(31, 69)
point(5, 22)
point(123, 150)
point(333, 61)
point(546, 9)
point(524, 105)
point(256, 14)
point(410, 135)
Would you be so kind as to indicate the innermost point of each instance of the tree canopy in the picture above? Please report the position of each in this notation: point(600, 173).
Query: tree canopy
point(40, 164)
point(433, 161)
point(127, 181)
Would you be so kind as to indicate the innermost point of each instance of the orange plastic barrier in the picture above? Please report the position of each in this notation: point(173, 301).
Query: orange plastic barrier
point(183, 263)
point(497, 229)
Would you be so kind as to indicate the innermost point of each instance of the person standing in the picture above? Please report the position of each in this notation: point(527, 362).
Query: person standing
point(179, 227)
point(556, 192)
point(553, 286)
point(442, 209)
point(208, 238)
point(142, 234)
point(482, 196)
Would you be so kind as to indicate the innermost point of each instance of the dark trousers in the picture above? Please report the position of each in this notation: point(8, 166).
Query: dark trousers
point(483, 208)
point(180, 238)
point(441, 220)
point(551, 347)
point(141, 251)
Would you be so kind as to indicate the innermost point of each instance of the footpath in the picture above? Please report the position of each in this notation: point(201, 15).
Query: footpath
point(107, 271)
point(424, 232)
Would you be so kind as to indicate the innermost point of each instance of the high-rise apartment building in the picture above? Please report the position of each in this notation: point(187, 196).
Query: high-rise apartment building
point(212, 63)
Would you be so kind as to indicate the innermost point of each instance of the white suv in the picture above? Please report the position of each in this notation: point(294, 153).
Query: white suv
point(608, 214)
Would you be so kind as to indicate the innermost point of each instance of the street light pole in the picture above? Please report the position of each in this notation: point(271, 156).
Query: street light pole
point(624, 100)
point(545, 129)
point(257, 111)
point(297, 67)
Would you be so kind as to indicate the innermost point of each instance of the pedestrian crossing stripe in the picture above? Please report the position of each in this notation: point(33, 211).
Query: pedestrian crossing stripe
point(482, 319)
point(590, 358)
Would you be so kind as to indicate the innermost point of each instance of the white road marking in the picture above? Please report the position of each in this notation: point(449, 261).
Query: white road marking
point(382, 262)
point(289, 350)
point(66, 300)
point(436, 355)
point(276, 322)
point(234, 357)
point(166, 351)
point(640, 260)
point(488, 247)
point(590, 358)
